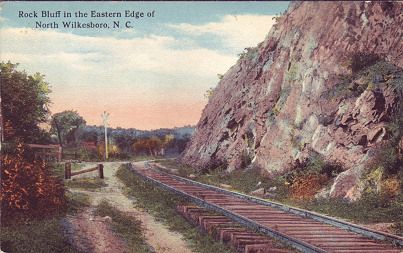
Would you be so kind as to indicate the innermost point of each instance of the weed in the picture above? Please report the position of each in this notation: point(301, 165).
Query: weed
point(127, 226)
point(85, 183)
point(370, 77)
point(39, 236)
point(77, 201)
point(398, 227)
point(248, 53)
point(372, 207)
point(162, 205)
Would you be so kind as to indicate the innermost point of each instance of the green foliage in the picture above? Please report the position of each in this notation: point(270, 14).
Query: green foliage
point(162, 205)
point(248, 53)
point(360, 60)
point(77, 201)
point(241, 180)
point(372, 207)
point(65, 124)
point(39, 236)
point(124, 142)
point(209, 93)
point(370, 77)
point(85, 183)
point(24, 103)
point(314, 165)
point(127, 226)
point(26, 234)
point(152, 145)
point(398, 228)
point(387, 157)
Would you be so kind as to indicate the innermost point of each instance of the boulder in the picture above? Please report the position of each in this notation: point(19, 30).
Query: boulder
point(377, 134)
point(347, 185)
point(258, 192)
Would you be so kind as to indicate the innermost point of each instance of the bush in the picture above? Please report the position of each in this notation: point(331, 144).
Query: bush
point(361, 60)
point(305, 187)
point(27, 188)
point(308, 177)
point(386, 156)
point(316, 164)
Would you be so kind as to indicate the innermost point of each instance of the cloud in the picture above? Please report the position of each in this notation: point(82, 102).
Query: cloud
point(237, 31)
point(159, 54)
point(97, 73)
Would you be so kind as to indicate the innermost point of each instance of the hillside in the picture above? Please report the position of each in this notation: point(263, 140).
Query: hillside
point(326, 81)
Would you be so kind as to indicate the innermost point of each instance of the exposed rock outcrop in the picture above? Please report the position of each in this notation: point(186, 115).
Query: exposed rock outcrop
point(308, 86)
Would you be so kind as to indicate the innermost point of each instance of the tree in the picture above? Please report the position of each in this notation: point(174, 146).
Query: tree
point(123, 141)
point(152, 145)
point(65, 124)
point(24, 103)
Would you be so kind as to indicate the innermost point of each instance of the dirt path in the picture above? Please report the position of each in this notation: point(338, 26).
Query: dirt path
point(91, 234)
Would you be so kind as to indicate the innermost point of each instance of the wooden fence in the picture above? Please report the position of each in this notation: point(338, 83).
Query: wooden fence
point(47, 155)
point(68, 174)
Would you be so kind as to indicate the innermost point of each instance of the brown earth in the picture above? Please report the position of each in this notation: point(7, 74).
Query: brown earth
point(92, 234)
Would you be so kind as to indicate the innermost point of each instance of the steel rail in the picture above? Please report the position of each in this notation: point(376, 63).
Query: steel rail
point(293, 242)
point(367, 232)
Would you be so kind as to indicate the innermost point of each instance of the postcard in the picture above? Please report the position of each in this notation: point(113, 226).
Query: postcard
point(211, 127)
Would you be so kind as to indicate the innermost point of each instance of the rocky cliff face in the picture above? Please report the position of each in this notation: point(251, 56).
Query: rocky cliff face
point(324, 80)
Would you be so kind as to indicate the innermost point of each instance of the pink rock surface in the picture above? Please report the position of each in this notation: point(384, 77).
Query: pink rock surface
point(275, 104)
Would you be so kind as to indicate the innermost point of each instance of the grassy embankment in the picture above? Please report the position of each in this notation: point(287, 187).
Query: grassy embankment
point(44, 235)
point(126, 226)
point(162, 205)
point(371, 208)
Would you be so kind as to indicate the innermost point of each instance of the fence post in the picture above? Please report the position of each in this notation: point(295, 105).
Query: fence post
point(67, 170)
point(101, 170)
point(59, 153)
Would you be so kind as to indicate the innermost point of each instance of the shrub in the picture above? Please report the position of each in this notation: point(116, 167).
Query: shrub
point(308, 177)
point(398, 228)
point(305, 187)
point(361, 60)
point(27, 188)
point(391, 187)
point(386, 156)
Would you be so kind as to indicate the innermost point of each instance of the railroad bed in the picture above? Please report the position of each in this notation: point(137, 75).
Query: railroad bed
point(303, 230)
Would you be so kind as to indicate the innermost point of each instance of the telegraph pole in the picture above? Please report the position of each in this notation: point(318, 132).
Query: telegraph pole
point(105, 117)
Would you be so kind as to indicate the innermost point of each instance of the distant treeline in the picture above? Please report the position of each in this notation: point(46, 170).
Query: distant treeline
point(132, 141)
point(25, 118)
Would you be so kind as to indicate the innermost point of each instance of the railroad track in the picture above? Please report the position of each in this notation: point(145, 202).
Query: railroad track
point(304, 230)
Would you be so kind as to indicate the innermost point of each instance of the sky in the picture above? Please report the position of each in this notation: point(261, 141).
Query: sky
point(152, 74)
